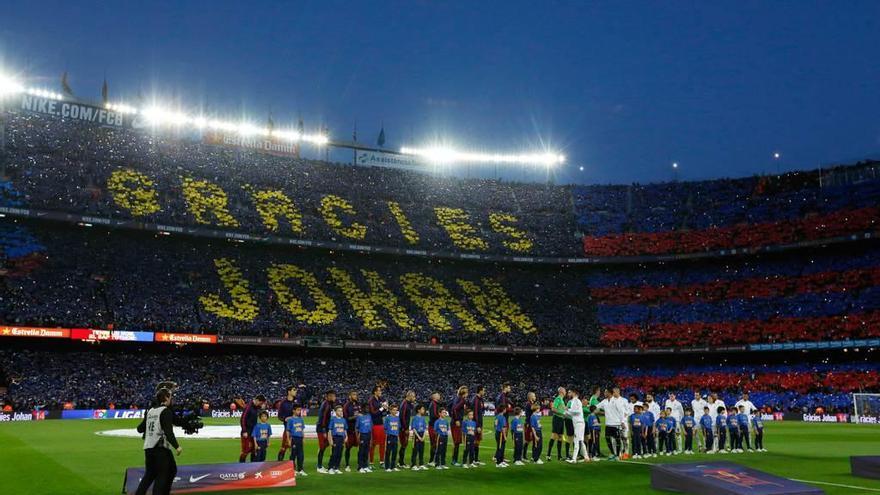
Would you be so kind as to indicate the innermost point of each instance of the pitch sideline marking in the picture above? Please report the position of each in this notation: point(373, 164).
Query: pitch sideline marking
point(838, 484)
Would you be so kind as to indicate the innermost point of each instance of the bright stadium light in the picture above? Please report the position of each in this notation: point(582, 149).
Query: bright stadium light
point(9, 86)
point(42, 93)
point(121, 108)
point(159, 116)
point(442, 155)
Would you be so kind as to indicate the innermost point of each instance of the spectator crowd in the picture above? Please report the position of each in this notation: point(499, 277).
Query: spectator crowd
point(89, 277)
point(66, 166)
point(122, 379)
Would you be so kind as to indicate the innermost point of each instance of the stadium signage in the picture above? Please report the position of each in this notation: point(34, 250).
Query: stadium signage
point(198, 478)
point(92, 335)
point(51, 333)
point(379, 159)
point(71, 110)
point(273, 413)
point(261, 144)
point(102, 414)
point(21, 416)
point(185, 338)
point(826, 418)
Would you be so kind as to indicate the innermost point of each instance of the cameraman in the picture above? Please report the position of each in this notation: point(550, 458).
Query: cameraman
point(158, 433)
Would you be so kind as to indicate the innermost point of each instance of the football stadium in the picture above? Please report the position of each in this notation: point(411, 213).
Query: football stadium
point(203, 292)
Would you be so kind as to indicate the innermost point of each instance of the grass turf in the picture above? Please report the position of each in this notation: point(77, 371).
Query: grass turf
point(67, 457)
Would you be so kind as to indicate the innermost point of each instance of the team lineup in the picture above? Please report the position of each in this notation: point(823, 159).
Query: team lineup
point(633, 429)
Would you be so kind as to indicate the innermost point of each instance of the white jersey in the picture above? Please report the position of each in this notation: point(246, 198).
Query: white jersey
point(654, 409)
point(614, 411)
point(154, 436)
point(575, 411)
point(630, 409)
point(697, 406)
point(713, 410)
point(677, 409)
point(749, 407)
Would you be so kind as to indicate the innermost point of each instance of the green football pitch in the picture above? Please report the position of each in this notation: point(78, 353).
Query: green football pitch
point(67, 457)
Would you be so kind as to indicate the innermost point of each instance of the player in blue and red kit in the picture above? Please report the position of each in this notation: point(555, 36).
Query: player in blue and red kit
point(322, 427)
point(378, 410)
point(350, 411)
point(531, 400)
point(433, 415)
point(458, 406)
point(504, 406)
point(248, 420)
point(285, 410)
point(407, 410)
point(477, 406)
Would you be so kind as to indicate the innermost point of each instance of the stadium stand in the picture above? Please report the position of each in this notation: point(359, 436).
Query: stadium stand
point(76, 277)
point(821, 294)
point(58, 165)
point(690, 217)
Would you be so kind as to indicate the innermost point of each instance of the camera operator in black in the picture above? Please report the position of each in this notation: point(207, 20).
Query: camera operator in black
point(159, 441)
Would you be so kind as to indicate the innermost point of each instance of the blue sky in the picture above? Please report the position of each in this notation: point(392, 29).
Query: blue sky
point(622, 88)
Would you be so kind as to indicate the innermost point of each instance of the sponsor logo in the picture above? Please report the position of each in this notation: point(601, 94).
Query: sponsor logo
point(740, 479)
point(232, 476)
point(56, 333)
point(869, 420)
point(74, 111)
point(379, 159)
point(117, 414)
point(276, 474)
point(196, 479)
point(258, 475)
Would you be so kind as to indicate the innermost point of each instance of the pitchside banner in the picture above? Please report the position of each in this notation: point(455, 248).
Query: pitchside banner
point(102, 413)
point(197, 478)
point(379, 159)
point(72, 110)
point(724, 478)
